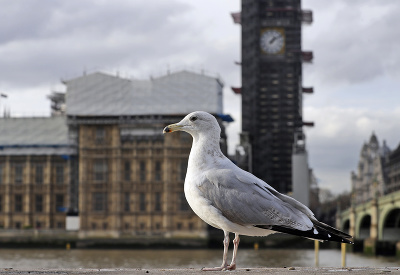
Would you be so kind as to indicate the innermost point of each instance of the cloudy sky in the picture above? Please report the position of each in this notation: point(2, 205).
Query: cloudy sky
point(355, 72)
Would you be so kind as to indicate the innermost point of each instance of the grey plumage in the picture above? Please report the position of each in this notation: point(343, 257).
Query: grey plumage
point(231, 199)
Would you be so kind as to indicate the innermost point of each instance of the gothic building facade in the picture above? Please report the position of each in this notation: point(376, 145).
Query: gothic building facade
point(371, 178)
point(105, 158)
point(36, 178)
point(394, 171)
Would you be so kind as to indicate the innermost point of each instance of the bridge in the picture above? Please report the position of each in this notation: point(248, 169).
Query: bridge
point(375, 225)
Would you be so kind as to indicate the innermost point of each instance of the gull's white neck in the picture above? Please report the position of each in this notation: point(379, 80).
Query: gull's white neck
point(205, 151)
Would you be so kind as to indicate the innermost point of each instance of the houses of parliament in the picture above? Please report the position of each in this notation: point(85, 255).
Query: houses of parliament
point(100, 165)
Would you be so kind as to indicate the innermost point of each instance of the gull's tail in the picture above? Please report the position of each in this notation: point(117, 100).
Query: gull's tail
point(320, 231)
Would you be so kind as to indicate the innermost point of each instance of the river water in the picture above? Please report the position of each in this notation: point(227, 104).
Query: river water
point(88, 258)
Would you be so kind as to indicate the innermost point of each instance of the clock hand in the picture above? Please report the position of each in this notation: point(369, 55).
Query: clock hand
point(272, 40)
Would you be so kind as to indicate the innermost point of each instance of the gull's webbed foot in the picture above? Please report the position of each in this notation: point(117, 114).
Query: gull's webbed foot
point(221, 268)
point(224, 265)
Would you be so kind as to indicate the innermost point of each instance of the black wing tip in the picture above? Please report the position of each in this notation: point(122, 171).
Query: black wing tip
point(319, 234)
point(347, 241)
point(331, 229)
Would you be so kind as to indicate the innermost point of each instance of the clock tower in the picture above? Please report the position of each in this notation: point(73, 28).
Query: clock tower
point(272, 92)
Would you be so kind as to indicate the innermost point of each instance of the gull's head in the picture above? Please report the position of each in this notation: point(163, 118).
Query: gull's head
point(196, 123)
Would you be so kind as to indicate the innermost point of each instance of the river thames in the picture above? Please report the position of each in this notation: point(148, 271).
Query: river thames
point(113, 258)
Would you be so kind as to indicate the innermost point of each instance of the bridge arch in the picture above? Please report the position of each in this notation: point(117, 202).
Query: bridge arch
point(364, 227)
point(346, 226)
point(389, 224)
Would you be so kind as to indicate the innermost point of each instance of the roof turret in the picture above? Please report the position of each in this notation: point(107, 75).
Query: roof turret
point(373, 139)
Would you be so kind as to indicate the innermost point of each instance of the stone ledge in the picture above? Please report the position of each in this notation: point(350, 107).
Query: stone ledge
point(289, 270)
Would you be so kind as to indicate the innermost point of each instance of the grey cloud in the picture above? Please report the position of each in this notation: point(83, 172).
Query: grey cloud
point(357, 45)
point(67, 36)
point(58, 18)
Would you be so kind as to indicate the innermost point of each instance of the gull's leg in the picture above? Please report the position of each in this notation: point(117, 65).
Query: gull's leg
point(226, 246)
point(236, 241)
point(225, 256)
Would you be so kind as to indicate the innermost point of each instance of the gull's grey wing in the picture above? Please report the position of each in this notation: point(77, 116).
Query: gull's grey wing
point(244, 199)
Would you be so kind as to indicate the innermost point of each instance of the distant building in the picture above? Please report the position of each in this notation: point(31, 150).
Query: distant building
point(301, 176)
point(394, 171)
point(272, 92)
point(36, 175)
point(106, 158)
point(371, 178)
point(314, 194)
point(305, 186)
point(131, 175)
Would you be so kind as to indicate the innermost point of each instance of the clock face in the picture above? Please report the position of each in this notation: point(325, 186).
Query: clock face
point(272, 41)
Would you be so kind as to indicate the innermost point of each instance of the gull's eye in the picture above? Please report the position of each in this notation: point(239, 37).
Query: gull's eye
point(193, 118)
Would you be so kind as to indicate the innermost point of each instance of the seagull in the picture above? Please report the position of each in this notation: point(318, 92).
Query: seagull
point(233, 200)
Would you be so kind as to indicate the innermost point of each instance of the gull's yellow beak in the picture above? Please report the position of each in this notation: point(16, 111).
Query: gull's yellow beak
point(172, 128)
